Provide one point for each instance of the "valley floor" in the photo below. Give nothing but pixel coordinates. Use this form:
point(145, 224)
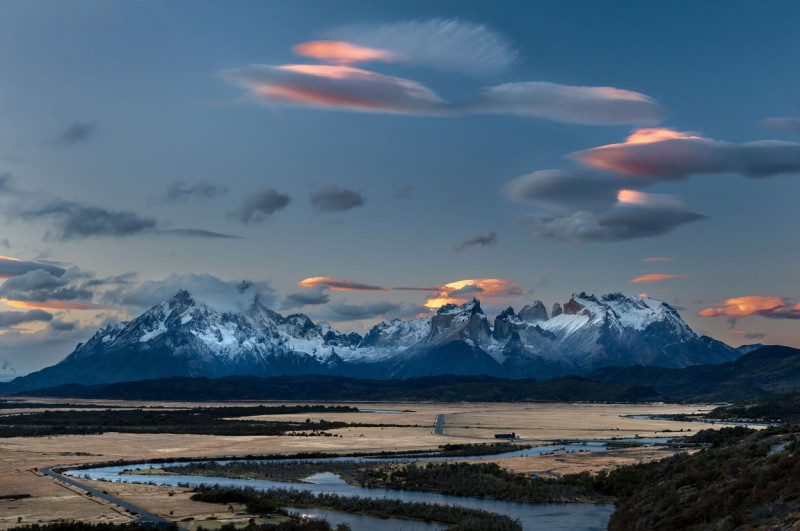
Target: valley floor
point(48, 500)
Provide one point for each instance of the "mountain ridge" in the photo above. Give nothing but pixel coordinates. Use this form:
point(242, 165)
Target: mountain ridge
point(183, 336)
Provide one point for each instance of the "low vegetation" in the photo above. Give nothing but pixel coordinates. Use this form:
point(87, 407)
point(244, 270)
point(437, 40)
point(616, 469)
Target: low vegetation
point(209, 421)
point(266, 502)
point(783, 408)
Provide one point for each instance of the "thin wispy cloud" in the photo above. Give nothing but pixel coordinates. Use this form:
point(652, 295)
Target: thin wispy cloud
point(782, 124)
point(568, 104)
point(484, 239)
point(339, 284)
point(178, 191)
point(445, 44)
point(655, 277)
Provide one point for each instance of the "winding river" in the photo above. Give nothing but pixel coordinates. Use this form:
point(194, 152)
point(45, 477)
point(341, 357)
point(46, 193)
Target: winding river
point(550, 516)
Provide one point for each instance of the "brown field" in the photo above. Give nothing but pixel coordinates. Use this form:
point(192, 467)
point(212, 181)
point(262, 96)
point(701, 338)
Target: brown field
point(464, 423)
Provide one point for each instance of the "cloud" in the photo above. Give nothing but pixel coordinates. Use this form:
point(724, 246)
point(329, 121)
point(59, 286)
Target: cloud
point(312, 297)
point(657, 259)
point(39, 285)
point(772, 307)
point(781, 124)
point(448, 44)
point(565, 191)
point(178, 192)
point(662, 153)
point(197, 233)
point(339, 284)
point(12, 267)
point(403, 191)
point(635, 215)
point(261, 205)
point(9, 319)
point(568, 104)
point(76, 132)
point(341, 52)
point(485, 239)
point(331, 198)
point(334, 87)
point(749, 335)
point(224, 295)
point(655, 277)
point(348, 312)
point(74, 220)
point(461, 291)
point(63, 326)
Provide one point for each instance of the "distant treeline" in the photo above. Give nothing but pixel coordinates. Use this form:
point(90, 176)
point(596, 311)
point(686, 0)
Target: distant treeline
point(442, 388)
point(207, 421)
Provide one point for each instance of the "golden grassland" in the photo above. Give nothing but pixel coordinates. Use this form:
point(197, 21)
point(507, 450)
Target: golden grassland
point(412, 430)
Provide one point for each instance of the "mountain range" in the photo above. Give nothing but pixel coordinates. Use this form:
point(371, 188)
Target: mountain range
point(184, 336)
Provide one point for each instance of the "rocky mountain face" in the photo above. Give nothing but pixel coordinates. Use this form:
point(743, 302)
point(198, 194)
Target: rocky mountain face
point(185, 337)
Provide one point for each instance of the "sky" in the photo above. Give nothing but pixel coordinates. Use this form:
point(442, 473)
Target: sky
point(361, 161)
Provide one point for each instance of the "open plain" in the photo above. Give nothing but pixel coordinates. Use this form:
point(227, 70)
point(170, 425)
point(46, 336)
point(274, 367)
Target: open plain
point(406, 426)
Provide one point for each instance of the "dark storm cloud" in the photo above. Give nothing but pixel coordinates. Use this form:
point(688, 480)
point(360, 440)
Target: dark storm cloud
point(485, 239)
point(73, 220)
point(346, 312)
point(177, 191)
point(261, 205)
point(9, 319)
point(331, 198)
point(782, 124)
point(314, 296)
point(76, 132)
point(10, 267)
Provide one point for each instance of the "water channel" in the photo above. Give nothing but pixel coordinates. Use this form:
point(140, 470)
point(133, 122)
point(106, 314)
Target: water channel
point(550, 516)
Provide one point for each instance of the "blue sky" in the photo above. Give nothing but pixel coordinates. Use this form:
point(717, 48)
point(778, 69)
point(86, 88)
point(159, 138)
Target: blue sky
point(331, 152)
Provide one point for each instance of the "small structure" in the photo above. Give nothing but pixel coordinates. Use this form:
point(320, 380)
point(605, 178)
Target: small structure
point(510, 436)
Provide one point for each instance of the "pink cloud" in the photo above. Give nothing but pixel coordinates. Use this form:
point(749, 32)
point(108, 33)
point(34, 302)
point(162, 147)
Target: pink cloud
point(341, 52)
point(662, 152)
point(773, 307)
point(655, 277)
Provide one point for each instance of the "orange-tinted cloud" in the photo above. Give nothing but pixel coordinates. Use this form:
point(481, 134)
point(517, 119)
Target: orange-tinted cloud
point(666, 153)
point(655, 277)
point(341, 52)
point(645, 295)
point(657, 259)
point(51, 305)
point(773, 307)
point(339, 284)
point(461, 291)
point(335, 87)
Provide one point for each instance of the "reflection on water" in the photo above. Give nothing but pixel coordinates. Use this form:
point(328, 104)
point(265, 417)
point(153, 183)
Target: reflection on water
point(358, 522)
